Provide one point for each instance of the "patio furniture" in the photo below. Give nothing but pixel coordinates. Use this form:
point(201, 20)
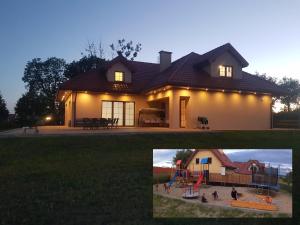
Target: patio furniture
point(86, 123)
point(203, 122)
point(103, 122)
point(115, 122)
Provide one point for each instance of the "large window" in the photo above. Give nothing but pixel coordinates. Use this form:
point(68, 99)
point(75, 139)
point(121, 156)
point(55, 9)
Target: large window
point(119, 76)
point(118, 112)
point(124, 111)
point(129, 113)
point(225, 71)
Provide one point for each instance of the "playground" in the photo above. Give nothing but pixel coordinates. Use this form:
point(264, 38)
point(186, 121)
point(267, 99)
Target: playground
point(257, 192)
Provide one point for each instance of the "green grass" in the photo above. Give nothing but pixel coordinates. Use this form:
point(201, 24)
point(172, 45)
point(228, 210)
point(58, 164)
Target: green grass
point(174, 208)
point(105, 179)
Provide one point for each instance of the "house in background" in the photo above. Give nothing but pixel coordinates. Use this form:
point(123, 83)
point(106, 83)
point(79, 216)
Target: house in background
point(218, 168)
point(173, 94)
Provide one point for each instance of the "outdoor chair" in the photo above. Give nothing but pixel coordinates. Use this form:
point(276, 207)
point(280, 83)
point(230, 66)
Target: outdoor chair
point(95, 123)
point(110, 122)
point(203, 122)
point(116, 120)
point(86, 123)
point(103, 122)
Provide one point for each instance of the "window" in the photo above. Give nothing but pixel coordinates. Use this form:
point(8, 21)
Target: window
point(119, 76)
point(225, 71)
point(124, 111)
point(197, 160)
point(129, 113)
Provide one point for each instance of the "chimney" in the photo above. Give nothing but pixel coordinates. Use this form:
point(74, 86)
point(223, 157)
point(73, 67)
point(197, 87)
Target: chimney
point(164, 59)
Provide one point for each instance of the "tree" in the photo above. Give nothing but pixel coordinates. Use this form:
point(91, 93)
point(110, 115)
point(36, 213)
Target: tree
point(29, 108)
point(42, 79)
point(183, 155)
point(293, 86)
point(86, 63)
point(127, 49)
point(92, 58)
point(3, 110)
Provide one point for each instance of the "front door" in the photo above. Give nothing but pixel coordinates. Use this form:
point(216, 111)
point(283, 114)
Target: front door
point(182, 113)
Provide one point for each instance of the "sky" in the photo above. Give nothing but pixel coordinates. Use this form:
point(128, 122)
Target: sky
point(266, 33)
point(272, 157)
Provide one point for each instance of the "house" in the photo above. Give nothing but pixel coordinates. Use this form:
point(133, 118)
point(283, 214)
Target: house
point(218, 168)
point(173, 94)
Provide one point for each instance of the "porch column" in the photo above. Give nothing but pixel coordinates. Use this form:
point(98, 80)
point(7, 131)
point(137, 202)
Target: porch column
point(73, 112)
point(174, 100)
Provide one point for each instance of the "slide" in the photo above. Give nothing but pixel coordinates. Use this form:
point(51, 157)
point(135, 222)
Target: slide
point(200, 178)
point(173, 179)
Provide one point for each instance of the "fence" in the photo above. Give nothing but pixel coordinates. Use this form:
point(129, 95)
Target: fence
point(230, 178)
point(280, 123)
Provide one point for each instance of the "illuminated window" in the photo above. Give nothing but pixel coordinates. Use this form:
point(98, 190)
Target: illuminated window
point(225, 71)
point(222, 70)
point(119, 76)
point(124, 111)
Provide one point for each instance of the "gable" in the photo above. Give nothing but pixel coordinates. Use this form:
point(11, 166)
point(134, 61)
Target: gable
point(214, 167)
point(119, 67)
point(226, 59)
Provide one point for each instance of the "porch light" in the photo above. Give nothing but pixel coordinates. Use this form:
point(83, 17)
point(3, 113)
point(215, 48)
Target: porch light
point(223, 90)
point(48, 118)
point(63, 97)
point(255, 93)
point(206, 89)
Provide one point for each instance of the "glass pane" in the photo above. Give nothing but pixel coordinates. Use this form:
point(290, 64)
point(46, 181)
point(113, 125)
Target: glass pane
point(222, 71)
point(106, 109)
point(129, 114)
point(118, 112)
point(229, 71)
point(119, 76)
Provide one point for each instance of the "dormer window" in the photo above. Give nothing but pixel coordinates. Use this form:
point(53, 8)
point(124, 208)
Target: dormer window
point(119, 76)
point(225, 71)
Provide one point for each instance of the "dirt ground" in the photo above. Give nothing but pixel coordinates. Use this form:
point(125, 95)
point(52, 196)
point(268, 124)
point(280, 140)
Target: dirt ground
point(282, 200)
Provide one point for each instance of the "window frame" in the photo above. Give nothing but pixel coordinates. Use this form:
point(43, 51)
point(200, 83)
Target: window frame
point(123, 76)
point(124, 111)
point(225, 67)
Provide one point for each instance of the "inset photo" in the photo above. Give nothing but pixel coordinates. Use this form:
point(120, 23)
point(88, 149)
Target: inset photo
point(222, 183)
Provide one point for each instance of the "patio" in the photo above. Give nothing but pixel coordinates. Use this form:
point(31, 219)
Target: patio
point(63, 130)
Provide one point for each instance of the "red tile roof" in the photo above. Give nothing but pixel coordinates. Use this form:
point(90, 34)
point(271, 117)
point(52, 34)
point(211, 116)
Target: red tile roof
point(187, 71)
point(243, 167)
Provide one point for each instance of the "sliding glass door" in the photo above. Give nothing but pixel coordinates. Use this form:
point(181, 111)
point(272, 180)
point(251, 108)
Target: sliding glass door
point(118, 112)
point(122, 110)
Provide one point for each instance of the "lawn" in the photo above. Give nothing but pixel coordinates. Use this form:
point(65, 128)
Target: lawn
point(106, 179)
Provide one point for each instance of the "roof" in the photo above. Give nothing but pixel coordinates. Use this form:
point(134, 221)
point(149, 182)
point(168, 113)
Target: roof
point(243, 167)
point(187, 71)
point(96, 81)
point(239, 167)
point(223, 158)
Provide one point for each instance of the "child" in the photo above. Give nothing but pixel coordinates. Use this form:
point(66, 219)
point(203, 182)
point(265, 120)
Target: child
point(167, 188)
point(215, 194)
point(203, 199)
point(234, 194)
